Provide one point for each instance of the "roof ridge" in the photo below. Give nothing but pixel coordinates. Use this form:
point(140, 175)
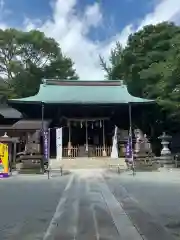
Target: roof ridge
point(82, 82)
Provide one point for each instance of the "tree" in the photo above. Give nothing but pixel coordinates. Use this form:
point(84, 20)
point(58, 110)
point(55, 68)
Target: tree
point(150, 66)
point(28, 57)
point(148, 56)
point(115, 63)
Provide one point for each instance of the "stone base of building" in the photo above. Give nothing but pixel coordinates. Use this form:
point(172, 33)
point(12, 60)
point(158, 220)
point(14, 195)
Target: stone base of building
point(85, 163)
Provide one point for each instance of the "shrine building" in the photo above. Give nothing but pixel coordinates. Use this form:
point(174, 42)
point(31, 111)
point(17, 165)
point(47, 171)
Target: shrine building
point(87, 111)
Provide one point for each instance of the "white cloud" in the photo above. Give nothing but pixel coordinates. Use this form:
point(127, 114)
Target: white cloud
point(165, 10)
point(71, 29)
point(3, 26)
point(93, 16)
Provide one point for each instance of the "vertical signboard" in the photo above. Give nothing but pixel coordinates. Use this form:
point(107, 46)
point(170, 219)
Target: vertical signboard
point(129, 149)
point(4, 161)
point(59, 143)
point(46, 145)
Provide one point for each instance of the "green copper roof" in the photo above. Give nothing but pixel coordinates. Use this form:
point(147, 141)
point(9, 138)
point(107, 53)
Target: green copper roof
point(82, 92)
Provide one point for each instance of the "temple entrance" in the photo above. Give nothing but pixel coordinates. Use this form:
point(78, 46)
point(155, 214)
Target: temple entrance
point(87, 138)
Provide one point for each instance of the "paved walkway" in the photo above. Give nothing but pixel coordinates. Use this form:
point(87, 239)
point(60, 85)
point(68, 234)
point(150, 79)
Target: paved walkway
point(87, 205)
point(88, 210)
point(151, 200)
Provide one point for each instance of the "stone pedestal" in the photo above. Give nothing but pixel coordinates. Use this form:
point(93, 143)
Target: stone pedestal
point(143, 156)
point(166, 159)
point(142, 145)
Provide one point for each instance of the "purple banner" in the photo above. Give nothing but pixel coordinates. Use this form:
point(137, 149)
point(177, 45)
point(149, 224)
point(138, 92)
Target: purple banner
point(129, 149)
point(46, 145)
point(4, 175)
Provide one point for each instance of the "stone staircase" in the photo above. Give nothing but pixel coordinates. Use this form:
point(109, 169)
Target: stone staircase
point(87, 163)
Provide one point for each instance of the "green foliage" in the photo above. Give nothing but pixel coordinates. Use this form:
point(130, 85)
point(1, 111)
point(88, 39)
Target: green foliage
point(115, 63)
point(150, 66)
point(28, 57)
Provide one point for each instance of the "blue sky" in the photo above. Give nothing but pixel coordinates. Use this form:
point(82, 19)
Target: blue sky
point(19, 9)
point(117, 15)
point(87, 28)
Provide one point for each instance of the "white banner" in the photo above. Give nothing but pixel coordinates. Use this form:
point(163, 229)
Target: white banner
point(59, 143)
point(114, 153)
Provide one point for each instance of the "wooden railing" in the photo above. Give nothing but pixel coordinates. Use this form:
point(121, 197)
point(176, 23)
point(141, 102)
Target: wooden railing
point(99, 151)
point(71, 153)
point(103, 151)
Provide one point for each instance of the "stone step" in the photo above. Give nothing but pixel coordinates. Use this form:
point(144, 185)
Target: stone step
point(83, 163)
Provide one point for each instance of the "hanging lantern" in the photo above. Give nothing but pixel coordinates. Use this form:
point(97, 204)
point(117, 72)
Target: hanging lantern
point(81, 124)
point(92, 126)
point(100, 124)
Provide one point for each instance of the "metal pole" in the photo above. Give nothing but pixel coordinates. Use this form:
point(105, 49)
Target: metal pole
point(42, 134)
point(130, 133)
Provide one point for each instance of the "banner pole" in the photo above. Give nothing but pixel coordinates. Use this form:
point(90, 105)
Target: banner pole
point(130, 133)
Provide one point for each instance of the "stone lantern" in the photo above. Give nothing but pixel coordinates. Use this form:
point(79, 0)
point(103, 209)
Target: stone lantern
point(166, 157)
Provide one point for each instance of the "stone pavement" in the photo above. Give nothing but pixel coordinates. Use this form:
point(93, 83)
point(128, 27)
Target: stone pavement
point(89, 205)
point(87, 163)
point(151, 200)
point(88, 210)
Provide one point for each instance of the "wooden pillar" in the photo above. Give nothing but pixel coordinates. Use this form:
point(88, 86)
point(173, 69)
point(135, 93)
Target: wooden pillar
point(130, 133)
point(69, 140)
point(86, 137)
point(42, 134)
point(104, 142)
